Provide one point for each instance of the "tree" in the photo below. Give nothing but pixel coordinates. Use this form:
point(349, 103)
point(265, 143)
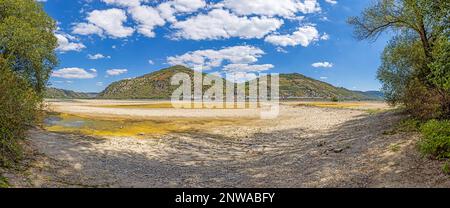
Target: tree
point(27, 56)
point(415, 63)
point(27, 41)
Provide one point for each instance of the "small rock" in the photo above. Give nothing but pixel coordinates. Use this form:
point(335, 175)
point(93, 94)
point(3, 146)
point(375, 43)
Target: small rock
point(338, 150)
point(321, 144)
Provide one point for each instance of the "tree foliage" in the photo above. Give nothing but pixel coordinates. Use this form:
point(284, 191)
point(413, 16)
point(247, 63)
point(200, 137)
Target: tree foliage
point(27, 45)
point(18, 104)
point(415, 64)
point(27, 42)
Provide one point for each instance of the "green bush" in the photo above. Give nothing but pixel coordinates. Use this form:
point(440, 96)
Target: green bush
point(436, 139)
point(335, 99)
point(446, 168)
point(18, 110)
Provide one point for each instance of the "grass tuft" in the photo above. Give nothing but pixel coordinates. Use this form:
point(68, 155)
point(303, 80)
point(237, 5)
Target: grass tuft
point(4, 182)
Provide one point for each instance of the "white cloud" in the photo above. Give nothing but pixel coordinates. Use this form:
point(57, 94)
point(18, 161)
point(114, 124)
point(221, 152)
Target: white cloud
point(281, 50)
point(303, 36)
point(97, 56)
point(74, 73)
point(322, 65)
point(325, 36)
point(331, 1)
point(188, 5)
point(65, 44)
point(214, 58)
point(283, 8)
point(218, 24)
point(124, 3)
point(323, 78)
point(109, 22)
point(237, 62)
point(240, 77)
point(151, 62)
point(247, 68)
point(148, 18)
point(116, 72)
point(87, 29)
point(169, 9)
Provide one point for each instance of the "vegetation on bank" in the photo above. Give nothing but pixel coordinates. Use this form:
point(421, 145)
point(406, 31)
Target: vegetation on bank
point(27, 57)
point(415, 70)
point(436, 139)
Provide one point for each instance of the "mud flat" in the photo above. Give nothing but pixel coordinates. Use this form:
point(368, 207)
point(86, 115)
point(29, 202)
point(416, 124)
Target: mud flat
point(307, 145)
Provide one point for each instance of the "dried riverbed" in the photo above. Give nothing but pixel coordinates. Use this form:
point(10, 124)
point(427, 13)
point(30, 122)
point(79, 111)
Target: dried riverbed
point(306, 146)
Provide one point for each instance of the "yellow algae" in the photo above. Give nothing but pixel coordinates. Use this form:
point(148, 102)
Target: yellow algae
point(116, 127)
point(333, 105)
point(140, 106)
point(169, 105)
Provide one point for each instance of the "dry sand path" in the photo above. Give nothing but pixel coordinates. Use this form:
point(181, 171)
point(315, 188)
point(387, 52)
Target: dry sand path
point(304, 147)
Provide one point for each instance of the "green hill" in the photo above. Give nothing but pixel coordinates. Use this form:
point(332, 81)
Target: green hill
point(299, 86)
point(156, 85)
point(54, 93)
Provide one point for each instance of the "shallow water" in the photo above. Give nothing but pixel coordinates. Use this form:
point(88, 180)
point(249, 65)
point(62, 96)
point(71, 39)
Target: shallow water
point(58, 121)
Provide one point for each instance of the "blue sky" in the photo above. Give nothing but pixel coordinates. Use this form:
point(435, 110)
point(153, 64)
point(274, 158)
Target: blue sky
point(102, 41)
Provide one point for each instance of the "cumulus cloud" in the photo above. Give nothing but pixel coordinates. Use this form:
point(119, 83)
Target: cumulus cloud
point(214, 58)
point(97, 56)
point(170, 9)
point(124, 3)
point(247, 68)
point(325, 36)
point(240, 73)
point(65, 43)
point(238, 62)
point(74, 73)
point(101, 22)
point(331, 1)
point(148, 18)
point(303, 36)
point(322, 65)
point(240, 77)
point(255, 19)
point(116, 72)
point(283, 8)
point(219, 23)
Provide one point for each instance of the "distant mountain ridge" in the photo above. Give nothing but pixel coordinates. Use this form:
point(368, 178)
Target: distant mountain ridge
point(54, 93)
point(157, 85)
point(374, 94)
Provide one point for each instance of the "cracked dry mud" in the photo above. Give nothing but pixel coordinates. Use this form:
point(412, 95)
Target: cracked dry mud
point(304, 147)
